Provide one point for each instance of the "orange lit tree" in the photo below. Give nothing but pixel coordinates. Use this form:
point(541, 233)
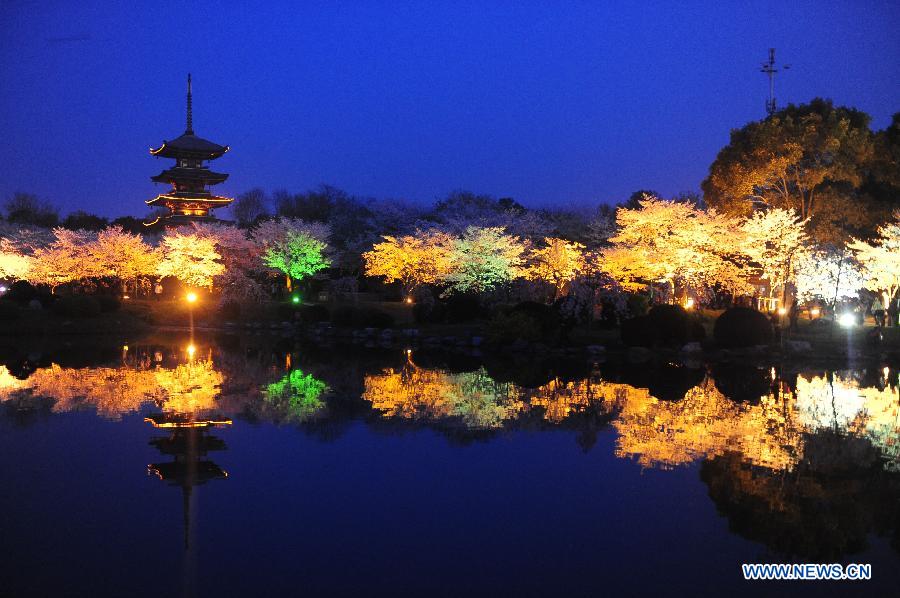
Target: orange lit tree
point(412, 260)
point(191, 258)
point(558, 262)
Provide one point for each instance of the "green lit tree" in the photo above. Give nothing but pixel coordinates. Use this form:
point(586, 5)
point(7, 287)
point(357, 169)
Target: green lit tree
point(296, 396)
point(297, 255)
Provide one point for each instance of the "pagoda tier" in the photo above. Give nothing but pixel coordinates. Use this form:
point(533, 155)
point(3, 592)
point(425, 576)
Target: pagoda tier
point(189, 199)
point(197, 176)
point(190, 146)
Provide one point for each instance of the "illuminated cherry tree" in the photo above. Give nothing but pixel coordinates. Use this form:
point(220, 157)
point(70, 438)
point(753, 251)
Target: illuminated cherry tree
point(827, 274)
point(412, 260)
point(191, 258)
point(123, 255)
point(67, 259)
point(674, 243)
point(14, 264)
point(298, 255)
point(483, 258)
point(880, 260)
point(775, 240)
point(557, 262)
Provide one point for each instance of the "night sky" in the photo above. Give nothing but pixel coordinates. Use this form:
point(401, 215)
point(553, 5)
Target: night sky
point(554, 104)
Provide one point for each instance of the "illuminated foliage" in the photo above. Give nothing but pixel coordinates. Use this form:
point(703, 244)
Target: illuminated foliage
point(880, 260)
point(13, 262)
point(412, 260)
point(557, 262)
point(297, 396)
point(191, 258)
point(828, 274)
point(791, 160)
point(774, 239)
point(298, 255)
point(68, 258)
point(123, 255)
point(674, 243)
point(483, 258)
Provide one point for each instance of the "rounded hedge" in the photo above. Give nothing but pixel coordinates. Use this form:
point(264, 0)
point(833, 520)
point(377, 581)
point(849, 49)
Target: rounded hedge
point(670, 324)
point(743, 327)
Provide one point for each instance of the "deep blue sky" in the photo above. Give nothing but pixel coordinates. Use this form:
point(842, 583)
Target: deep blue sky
point(553, 103)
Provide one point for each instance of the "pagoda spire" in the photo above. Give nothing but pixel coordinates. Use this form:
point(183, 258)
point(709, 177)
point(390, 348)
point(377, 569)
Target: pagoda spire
point(190, 111)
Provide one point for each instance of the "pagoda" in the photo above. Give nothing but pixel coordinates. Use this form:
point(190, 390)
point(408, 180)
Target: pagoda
point(189, 199)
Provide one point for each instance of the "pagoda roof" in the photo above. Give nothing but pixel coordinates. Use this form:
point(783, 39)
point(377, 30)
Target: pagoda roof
point(179, 173)
point(188, 197)
point(190, 146)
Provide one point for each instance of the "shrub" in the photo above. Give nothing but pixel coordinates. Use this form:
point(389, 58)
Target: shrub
point(108, 303)
point(670, 325)
point(77, 306)
point(637, 305)
point(743, 327)
point(505, 328)
point(636, 332)
point(543, 315)
point(21, 292)
point(312, 314)
point(9, 310)
point(462, 308)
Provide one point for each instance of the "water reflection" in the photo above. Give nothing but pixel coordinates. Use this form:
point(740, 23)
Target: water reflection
point(806, 462)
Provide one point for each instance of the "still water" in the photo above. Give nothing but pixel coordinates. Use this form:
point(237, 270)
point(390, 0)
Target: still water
point(226, 466)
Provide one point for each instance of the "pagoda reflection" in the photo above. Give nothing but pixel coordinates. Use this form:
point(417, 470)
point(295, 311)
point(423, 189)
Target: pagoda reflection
point(188, 444)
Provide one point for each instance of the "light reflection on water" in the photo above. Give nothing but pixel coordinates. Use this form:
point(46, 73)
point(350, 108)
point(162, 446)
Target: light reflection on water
point(769, 430)
point(806, 462)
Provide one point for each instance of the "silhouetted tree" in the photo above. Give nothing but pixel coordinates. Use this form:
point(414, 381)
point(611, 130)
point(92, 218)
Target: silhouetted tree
point(82, 220)
point(26, 208)
point(249, 207)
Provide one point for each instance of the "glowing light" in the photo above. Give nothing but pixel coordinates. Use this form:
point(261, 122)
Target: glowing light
point(689, 303)
point(781, 311)
point(191, 297)
point(409, 300)
point(887, 373)
point(125, 297)
point(125, 348)
point(847, 320)
point(3, 289)
point(295, 299)
point(191, 349)
point(814, 312)
point(773, 374)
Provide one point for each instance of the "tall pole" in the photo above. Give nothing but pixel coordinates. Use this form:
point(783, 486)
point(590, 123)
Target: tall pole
point(769, 68)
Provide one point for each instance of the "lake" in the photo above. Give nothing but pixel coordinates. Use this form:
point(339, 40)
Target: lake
point(221, 466)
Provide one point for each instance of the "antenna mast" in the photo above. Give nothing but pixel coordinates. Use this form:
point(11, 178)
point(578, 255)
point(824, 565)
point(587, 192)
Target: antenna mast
point(769, 69)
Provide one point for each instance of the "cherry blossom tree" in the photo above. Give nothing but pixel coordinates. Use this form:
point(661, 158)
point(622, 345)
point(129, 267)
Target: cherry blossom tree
point(484, 257)
point(14, 264)
point(191, 258)
point(558, 262)
point(123, 255)
point(775, 240)
point(414, 260)
point(880, 260)
point(827, 273)
point(675, 244)
point(67, 259)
